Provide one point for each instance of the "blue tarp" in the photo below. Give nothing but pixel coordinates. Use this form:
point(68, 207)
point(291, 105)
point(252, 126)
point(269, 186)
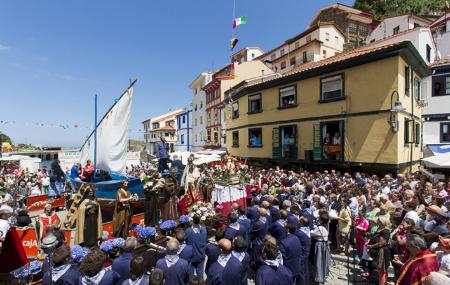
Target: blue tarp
point(439, 148)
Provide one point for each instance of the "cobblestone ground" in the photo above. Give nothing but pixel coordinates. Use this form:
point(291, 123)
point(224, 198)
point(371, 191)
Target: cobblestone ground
point(338, 273)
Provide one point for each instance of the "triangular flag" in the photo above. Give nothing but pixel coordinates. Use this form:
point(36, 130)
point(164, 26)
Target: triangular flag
point(239, 21)
point(233, 42)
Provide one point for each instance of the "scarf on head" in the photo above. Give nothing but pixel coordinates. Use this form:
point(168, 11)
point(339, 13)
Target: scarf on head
point(238, 255)
point(171, 260)
point(59, 271)
point(282, 222)
point(306, 230)
point(94, 279)
point(181, 247)
point(243, 217)
point(137, 281)
point(272, 263)
point(223, 259)
point(235, 226)
point(279, 258)
point(196, 229)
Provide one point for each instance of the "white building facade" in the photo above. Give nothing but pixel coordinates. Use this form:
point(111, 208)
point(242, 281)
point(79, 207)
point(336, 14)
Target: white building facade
point(436, 115)
point(317, 43)
point(394, 25)
point(184, 131)
point(155, 128)
point(246, 54)
point(198, 114)
point(441, 33)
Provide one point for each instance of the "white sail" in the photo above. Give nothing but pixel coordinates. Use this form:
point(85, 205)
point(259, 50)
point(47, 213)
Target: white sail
point(112, 137)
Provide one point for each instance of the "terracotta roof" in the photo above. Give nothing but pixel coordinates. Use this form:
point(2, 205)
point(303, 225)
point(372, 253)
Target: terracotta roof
point(165, 128)
point(342, 7)
point(441, 61)
point(412, 16)
point(332, 61)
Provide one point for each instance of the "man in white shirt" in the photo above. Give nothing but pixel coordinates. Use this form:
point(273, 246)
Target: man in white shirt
point(5, 214)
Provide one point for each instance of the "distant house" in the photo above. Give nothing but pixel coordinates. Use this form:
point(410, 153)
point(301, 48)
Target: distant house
point(164, 125)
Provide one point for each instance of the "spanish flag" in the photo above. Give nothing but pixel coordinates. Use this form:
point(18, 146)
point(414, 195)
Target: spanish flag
point(233, 43)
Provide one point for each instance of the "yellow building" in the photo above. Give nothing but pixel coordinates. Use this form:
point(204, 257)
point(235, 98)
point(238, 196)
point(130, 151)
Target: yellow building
point(354, 110)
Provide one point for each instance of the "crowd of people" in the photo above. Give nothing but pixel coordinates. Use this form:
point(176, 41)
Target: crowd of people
point(286, 233)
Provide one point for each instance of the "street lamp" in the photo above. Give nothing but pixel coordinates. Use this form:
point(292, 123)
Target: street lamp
point(396, 108)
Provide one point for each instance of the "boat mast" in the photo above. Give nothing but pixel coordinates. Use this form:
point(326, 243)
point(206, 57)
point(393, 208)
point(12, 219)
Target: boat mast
point(95, 133)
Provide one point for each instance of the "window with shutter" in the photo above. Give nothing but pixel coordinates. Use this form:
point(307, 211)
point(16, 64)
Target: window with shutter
point(332, 87)
point(288, 97)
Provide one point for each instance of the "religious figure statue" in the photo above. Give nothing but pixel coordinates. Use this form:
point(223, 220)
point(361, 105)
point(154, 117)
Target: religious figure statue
point(89, 226)
point(192, 192)
point(72, 214)
point(122, 211)
point(47, 219)
point(169, 207)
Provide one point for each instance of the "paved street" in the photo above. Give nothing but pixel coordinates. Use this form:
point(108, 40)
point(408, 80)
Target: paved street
point(338, 274)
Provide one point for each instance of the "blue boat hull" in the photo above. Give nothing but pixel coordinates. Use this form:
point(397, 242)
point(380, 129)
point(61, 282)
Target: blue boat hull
point(108, 189)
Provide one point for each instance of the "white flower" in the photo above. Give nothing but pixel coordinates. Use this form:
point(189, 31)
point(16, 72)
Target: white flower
point(203, 209)
point(203, 218)
point(198, 212)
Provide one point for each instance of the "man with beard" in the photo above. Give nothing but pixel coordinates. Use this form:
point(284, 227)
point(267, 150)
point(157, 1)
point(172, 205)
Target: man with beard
point(122, 211)
point(47, 219)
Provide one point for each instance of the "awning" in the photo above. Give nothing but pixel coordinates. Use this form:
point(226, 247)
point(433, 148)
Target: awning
point(439, 148)
point(206, 159)
point(441, 160)
point(218, 151)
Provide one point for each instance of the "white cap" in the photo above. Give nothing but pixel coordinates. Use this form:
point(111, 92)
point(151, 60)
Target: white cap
point(4, 209)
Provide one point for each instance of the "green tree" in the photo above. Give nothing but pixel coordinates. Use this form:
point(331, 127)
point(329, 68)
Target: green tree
point(5, 138)
point(386, 8)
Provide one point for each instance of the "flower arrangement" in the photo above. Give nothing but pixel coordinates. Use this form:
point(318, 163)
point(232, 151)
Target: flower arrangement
point(118, 243)
point(136, 227)
point(146, 180)
point(29, 270)
point(111, 244)
point(184, 219)
point(168, 225)
point(147, 232)
point(205, 210)
point(79, 252)
point(106, 246)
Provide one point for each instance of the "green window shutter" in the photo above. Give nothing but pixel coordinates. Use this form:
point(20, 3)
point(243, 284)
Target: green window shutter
point(276, 146)
point(317, 142)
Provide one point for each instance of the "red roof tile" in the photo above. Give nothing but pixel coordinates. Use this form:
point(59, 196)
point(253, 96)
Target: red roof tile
point(333, 60)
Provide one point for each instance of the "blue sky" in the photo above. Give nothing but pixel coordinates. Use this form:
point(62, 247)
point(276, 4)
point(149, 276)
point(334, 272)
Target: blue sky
point(54, 55)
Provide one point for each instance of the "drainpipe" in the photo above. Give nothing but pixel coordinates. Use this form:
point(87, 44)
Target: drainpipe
point(411, 145)
point(187, 121)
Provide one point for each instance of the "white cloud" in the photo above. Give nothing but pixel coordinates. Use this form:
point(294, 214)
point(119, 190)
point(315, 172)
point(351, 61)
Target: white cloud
point(4, 48)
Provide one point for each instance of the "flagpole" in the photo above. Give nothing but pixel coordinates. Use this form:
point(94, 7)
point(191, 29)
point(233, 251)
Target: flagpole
point(95, 133)
point(232, 28)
